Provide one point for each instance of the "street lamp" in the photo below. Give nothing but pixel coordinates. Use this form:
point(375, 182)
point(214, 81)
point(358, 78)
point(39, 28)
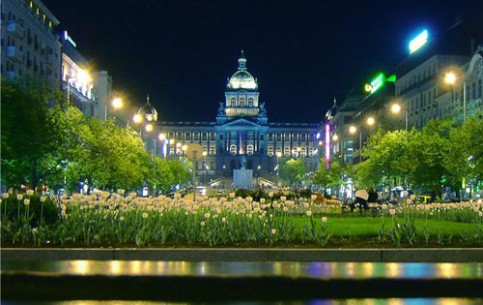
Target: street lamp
point(396, 108)
point(137, 118)
point(353, 129)
point(162, 138)
point(116, 104)
point(278, 154)
point(205, 167)
point(450, 78)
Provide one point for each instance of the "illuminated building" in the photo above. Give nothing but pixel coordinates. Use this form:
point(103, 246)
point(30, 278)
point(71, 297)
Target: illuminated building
point(29, 46)
point(242, 134)
point(77, 80)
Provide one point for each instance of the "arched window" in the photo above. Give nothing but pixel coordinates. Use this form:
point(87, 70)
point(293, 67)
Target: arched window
point(233, 149)
point(232, 102)
point(311, 151)
point(242, 101)
point(286, 151)
point(250, 102)
point(270, 151)
point(249, 149)
point(303, 151)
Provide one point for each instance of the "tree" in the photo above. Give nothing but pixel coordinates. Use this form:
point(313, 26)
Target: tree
point(111, 157)
point(164, 174)
point(464, 158)
point(332, 177)
point(33, 145)
point(292, 171)
point(386, 161)
point(427, 152)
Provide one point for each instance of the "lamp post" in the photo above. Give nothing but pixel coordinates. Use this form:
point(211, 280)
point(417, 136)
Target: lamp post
point(205, 167)
point(278, 154)
point(162, 138)
point(353, 129)
point(450, 79)
point(116, 104)
point(396, 108)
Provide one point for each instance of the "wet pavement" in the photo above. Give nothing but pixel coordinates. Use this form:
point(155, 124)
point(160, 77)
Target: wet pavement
point(245, 282)
point(316, 270)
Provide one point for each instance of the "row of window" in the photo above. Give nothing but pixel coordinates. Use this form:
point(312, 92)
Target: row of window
point(191, 136)
point(287, 152)
point(205, 136)
point(241, 102)
point(416, 79)
point(287, 137)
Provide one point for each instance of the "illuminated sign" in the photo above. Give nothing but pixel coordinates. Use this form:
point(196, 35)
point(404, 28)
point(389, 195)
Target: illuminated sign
point(69, 39)
point(418, 42)
point(327, 145)
point(377, 82)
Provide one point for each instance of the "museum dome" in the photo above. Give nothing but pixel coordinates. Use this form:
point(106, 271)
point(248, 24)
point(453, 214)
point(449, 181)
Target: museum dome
point(148, 111)
point(242, 79)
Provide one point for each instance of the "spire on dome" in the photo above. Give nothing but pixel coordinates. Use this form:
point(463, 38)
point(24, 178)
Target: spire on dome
point(242, 62)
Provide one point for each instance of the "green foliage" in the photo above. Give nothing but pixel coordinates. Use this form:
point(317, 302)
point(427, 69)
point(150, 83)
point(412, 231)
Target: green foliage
point(33, 144)
point(165, 173)
point(427, 151)
point(386, 160)
point(332, 177)
point(292, 171)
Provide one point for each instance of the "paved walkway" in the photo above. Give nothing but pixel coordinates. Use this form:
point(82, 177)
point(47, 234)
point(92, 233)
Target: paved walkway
point(249, 255)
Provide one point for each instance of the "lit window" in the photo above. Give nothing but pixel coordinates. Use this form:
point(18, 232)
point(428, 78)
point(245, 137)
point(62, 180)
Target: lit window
point(286, 151)
point(303, 151)
point(249, 149)
point(270, 151)
point(311, 151)
point(233, 149)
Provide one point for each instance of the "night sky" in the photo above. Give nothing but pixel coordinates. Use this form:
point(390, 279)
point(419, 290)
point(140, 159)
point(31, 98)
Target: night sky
point(303, 53)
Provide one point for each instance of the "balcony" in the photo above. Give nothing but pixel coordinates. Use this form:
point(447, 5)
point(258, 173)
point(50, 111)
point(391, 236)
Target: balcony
point(13, 54)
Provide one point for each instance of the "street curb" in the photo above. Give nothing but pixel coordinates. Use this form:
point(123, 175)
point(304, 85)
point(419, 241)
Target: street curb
point(248, 255)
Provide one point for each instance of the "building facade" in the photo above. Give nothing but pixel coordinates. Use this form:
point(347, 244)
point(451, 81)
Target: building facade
point(29, 46)
point(77, 81)
point(241, 135)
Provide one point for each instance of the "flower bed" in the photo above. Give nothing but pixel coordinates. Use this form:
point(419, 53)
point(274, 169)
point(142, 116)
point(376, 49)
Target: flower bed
point(104, 219)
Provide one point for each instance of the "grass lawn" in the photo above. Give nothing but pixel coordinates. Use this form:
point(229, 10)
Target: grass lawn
point(370, 226)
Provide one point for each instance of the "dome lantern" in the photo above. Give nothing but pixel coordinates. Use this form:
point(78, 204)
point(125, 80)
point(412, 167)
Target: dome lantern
point(148, 112)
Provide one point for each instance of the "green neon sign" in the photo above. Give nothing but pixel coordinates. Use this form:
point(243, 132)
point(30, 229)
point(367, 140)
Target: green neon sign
point(377, 82)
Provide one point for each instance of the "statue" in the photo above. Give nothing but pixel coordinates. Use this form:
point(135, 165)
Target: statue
point(263, 111)
point(243, 162)
point(221, 109)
